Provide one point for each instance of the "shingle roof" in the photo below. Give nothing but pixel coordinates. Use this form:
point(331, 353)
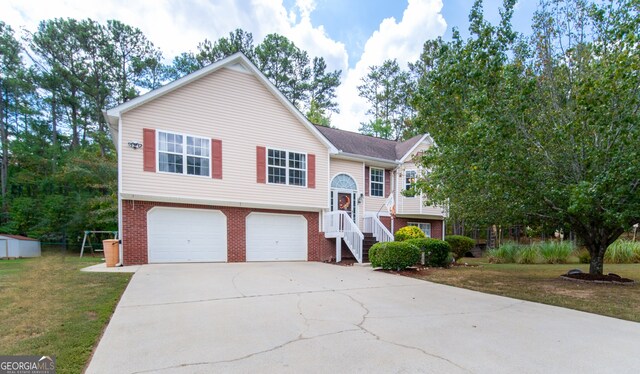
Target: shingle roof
point(365, 145)
point(19, 237)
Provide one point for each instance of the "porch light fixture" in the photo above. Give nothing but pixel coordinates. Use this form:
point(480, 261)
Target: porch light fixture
point(135, 145)
point(360, 198)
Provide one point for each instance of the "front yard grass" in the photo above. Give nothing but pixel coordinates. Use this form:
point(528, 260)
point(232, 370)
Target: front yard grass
point(541, 283)
point(49, 307)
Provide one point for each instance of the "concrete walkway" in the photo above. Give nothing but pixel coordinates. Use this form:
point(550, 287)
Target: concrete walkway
point(102, 268)
point(319, 318)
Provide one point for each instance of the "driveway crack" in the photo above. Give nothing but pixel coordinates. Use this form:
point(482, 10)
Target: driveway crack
point(203, 363)
point(361, 326)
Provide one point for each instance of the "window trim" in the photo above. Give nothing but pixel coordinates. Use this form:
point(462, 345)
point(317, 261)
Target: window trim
point(405, 180)
point(371, 182)
point(306, 167)
point(183, 154)
point(417, 224)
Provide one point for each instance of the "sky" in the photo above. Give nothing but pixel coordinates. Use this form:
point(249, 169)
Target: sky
point(351, 35)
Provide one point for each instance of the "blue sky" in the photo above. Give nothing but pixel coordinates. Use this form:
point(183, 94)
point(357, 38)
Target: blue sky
point(352, 21)
point(351, 35)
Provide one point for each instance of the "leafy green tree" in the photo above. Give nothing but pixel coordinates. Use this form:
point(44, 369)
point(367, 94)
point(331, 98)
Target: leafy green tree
point(322, 93)
point(11, 73)
point(543, 129)
point(388, 89)
point(130, 55)
point(304, 82)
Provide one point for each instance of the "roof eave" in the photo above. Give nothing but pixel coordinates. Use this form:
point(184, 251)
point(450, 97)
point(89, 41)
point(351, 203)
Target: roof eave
point(376, 160)
point(424, 137)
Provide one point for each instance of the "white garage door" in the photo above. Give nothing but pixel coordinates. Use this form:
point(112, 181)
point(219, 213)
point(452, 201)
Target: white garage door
point(276, 237)
point(186, 235)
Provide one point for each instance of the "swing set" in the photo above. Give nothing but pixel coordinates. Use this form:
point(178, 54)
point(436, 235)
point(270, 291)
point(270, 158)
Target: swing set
point(97, 236)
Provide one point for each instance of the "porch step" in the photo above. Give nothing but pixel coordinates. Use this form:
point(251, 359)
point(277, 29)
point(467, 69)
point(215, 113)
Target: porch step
point(369, 241)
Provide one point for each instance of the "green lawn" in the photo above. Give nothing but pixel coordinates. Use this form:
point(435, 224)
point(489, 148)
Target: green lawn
point(541, 283)
point(49, 307)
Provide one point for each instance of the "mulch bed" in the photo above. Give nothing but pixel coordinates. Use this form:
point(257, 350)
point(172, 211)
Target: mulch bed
point(597, 278)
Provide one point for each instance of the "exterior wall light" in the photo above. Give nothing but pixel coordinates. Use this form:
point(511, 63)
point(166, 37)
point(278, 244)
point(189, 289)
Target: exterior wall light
point(135, 145)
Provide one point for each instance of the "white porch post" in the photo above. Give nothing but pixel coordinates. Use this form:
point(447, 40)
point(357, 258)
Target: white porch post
point(338, 249)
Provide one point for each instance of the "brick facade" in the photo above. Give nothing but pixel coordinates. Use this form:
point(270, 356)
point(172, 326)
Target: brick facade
point(399, 222)
point(134, 231)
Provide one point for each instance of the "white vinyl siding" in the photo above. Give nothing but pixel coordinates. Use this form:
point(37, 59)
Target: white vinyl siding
point(414, 205)
point(237, 109)
point(376, 181)
point(174, 149)
point(424, 226)
point(285, 167)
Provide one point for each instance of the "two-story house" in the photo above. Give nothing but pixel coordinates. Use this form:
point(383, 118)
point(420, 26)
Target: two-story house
point(220, 166)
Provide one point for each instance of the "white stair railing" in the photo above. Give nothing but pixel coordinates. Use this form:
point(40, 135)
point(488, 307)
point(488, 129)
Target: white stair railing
point(373, 225)
point(339, 221)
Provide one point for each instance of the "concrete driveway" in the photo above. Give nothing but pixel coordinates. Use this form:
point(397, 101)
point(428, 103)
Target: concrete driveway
point(314, 317)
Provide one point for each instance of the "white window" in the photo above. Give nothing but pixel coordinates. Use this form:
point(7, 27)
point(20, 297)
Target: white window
point(425, 227)
point(285, 167)
point(376, 182)
point(174, 149)
point(409, 179)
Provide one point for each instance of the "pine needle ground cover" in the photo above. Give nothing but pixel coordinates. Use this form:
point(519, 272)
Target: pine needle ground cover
point(49, 307)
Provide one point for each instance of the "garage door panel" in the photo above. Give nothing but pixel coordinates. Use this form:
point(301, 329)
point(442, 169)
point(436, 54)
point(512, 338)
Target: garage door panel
point(186, 235)
point(276, 237)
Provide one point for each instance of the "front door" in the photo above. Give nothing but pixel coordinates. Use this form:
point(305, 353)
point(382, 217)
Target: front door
point(344, 200)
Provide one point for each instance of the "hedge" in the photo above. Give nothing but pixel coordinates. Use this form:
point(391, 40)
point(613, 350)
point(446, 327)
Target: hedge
point(460, 245)
point(408, 232)
point(394, 255)
point(436, 252)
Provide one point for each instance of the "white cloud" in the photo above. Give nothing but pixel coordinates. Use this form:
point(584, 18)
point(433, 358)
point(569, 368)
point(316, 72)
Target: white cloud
point(178, 26)
point(401, 40)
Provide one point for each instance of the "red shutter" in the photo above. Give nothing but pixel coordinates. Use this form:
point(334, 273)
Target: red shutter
point(216, 159)
point(149, 149)
point(311, 160)
point(387, 182)
point(261, 164)
point(366, 181)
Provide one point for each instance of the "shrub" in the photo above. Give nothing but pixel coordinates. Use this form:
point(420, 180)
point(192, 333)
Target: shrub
point(622, 252)
point(527, 254)
point(505, 254)
point(409, 232)
point(460, 245)
point(555, 252)
point(394, 255)
point(584, 257)
point(436, 252)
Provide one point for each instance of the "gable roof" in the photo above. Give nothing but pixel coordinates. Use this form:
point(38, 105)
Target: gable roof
point(237, 61)
point(369, 146)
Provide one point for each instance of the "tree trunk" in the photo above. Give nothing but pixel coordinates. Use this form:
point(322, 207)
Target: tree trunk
point(4, 130)
point(597, 239)
point(597, 262)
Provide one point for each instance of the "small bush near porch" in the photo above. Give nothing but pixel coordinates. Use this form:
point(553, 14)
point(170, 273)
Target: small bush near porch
point(394, 255)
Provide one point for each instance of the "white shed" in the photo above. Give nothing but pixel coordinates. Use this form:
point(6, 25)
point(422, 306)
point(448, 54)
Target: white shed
point(18, 246)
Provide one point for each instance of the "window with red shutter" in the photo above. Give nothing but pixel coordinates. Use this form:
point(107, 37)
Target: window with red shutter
point(216, 159)
point(261, 164)
point(149, 149)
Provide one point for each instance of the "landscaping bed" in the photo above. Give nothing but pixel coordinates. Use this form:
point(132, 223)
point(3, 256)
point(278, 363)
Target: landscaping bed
point(597, 278)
